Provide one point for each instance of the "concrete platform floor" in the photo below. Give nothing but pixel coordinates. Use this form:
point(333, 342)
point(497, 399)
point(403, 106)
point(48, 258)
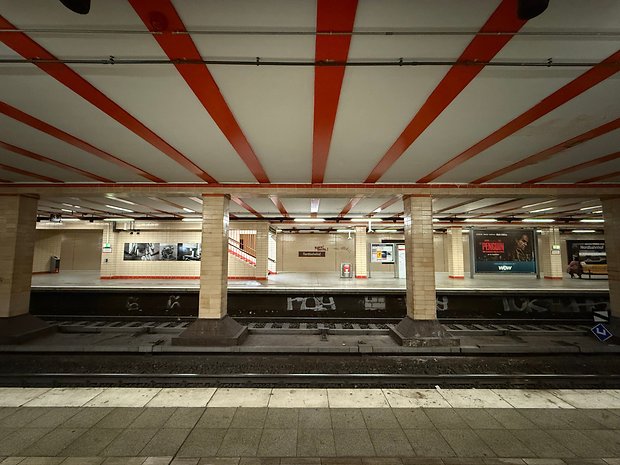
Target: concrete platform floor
point(153, 426)
point(326, 281)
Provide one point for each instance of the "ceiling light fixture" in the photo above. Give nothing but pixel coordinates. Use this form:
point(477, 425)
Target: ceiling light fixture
point(583, 231)
point(542, 210)
point(591, 208)
point(538, 203)
point(537, 220)
point(365, 220)
point(188, 210)
point(309, 220)
point(480, 220)
point(120, 208)
point(191, 220)
point(592, 220)
point(111, 197)
point(119, 220)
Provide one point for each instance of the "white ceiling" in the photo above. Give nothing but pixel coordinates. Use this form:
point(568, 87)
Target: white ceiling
point(274, 106)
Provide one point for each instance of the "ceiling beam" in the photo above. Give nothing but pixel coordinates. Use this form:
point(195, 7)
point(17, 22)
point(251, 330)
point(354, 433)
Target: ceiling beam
point(551, 151)
point(243, 204)
point(579, 167)
point(385, 205)
point(50, 161)
point(586, 81)
point(332, 16)
point(160, 17)
point(30, 174)
point(604, 177)
point(50, 130)
point(482, 48)
point(350, 205)
point(44, 60)
point(279, 205)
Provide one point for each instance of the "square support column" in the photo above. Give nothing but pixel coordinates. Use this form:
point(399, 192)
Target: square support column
point(262, 251)
point(361, 253)
point(213, 326)
point(456, 265)
point(550, 259)
point(420, 327)
point(18, 216)
point(611, 211)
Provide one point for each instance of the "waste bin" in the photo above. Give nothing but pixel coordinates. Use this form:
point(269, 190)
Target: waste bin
point(54, 264)
point(345, 270)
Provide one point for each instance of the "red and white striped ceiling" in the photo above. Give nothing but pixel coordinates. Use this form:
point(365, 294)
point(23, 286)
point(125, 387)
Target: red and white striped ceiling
point(432, 91)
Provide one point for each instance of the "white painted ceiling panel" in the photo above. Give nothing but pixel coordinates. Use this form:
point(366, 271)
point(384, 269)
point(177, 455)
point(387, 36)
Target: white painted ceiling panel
point(38, 167)
point(263, 205)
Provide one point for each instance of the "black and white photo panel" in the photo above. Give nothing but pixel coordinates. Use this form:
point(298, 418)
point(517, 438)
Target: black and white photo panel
point(145, 251)
point(168, 252)
point(189, 251)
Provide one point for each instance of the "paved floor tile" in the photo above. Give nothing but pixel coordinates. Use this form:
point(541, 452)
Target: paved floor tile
point(202, 442)
point(124, 461)
point(300, 461)
point(240, 397)
point(21, 439)
point(86, 417)
point(41, 461)
point(52, 443)
point(531, 398)
point(185, 461)
point(542, 444)
point(580, 444)
point(282, 418)
point(166, 442)
point(428, 443)
point(504, 443)
point(414, 398)
point(219, 461)
point(298, 398)
point(92, 442)
point(184, 417)
point(473, 398)
point(216, 417)
point(511, 419)
point(64, 397)
point(6, 411)
point(5, 432)
point(545, 418)
point(347, 418)
point(609, 439)
point(319, 418)
point(577, 419)
point(54, 417)
point(259, 461)
point(445, 419)
point(421, 461)
point(22, 417)
point(129, 443)
point(603, 416)
point(278, 443)
point(315, 443)
point(341, 461)
point(240, 442)
point(157, 461)
point(588, 398)
point(413, 418)
point(120, 417)
point(382, 461)
point(466, 443)
point(478, 418)
point(544, 461)
point(182, 397)
point(390, 442)
point(154, 417)
point(380, 419)
point(11, 460)
point(357, 398)
point(82, 461)
point(123, 397)
point(246, 417)
point(15, 397)
point(353, 442)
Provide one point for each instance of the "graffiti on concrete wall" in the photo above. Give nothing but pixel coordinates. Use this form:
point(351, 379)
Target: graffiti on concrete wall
point(311, 303)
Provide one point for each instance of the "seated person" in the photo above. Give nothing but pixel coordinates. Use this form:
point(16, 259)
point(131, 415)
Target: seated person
point(575, 268)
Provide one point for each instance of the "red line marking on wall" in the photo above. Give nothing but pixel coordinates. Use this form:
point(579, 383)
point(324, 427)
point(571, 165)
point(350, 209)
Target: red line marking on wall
point(160, 16)
point(587, 80)
point(551, 151)
point(29, 49)
point(482, 48)
point(332, 16)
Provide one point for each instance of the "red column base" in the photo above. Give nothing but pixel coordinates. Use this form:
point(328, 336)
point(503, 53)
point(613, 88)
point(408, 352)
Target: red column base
point(456, 277)
point(361, 277)
point(554, 277)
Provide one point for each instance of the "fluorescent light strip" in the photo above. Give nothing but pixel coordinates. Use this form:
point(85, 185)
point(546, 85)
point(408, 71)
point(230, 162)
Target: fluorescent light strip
point(120, 209)
point(111, 197)
point(480, 220)
point(65, 210)
point(191, 220)
point(365, 220)
point(386, 231)
point(592, 220)
point(188, 210)
point(538, 203)
point(591, 208)
point(309, 220)
point(542, 210)
point(537, 220)
point(119, 220)
point(583, 231)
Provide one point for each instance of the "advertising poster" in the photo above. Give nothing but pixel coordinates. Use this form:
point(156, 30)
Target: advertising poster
point(154, 251)
point(382, 253)
point(591, 254)
point(145, 251)
point(168, 252)
point(504, 251)
point(188, 251)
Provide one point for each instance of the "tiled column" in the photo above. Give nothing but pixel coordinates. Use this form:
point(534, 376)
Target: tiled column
point(361, 253)
point(456, 265)
point(262, 250)
point(420, 327)
point(611, 211)
point(213, 326)
point(550, 259)
point(18, 216)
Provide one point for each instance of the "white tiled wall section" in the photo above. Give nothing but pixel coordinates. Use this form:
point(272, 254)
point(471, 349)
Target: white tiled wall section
point(337, 249)
point(456, 265)
point(550, 262)
point(17, 238)
point(47, 244)
point(361, 252)
point(420, 260)
point(611, 210)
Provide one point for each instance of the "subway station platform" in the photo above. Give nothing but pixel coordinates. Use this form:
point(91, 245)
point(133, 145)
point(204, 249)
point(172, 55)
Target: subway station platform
point(237, 426)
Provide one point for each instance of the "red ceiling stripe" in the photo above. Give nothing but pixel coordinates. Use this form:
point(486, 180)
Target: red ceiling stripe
point(384, 206)
point(587, 80)
point(279, 205)
point(35, 123)
point(242, 204)
point(548, 153)
point(482, 48)
point(41, 158)
point(350, 204)
point(604, 177)
point(572, 169)
point(332, 16)
point(28, 173)
point(30, 50)
point(161, 16)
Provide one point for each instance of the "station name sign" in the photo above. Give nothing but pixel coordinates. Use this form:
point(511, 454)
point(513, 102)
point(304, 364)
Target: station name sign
point(312, 253)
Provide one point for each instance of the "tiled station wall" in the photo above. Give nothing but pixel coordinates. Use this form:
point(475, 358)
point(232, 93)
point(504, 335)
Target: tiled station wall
point(56, 240)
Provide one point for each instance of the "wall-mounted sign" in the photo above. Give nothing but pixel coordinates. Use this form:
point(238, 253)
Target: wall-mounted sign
point(591, 254)
point(154, 251)
point(504, 251)
point(312, 253)
point(382, 253)
point(107, 248)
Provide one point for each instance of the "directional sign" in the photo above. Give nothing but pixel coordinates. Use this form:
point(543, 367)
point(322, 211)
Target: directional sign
point(601, 332)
